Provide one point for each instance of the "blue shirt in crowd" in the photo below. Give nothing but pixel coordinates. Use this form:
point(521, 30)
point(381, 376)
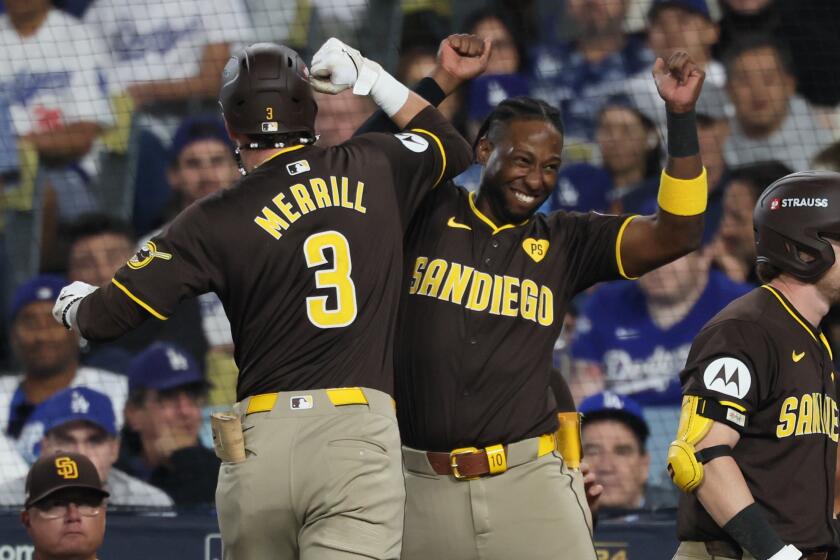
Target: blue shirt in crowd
point(637, 357)
point(564, 78)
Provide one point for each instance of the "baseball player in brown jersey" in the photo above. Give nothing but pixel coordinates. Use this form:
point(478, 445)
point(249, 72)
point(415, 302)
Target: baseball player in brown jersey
point(756, 448)
point(305, 253)
point(488, 281)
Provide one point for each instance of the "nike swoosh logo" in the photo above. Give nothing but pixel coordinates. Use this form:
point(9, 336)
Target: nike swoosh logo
point(453, 224)
point(796, 357)
point(65, 297)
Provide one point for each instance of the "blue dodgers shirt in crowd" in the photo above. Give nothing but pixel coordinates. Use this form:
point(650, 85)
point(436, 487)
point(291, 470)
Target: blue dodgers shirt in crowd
point(564, 78)
point(581, 187)
point(638, 358)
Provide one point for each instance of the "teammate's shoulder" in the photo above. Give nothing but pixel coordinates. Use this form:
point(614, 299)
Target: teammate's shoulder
point(747, 307)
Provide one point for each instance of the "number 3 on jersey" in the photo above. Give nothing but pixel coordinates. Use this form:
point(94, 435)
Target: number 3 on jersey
point(337, 278)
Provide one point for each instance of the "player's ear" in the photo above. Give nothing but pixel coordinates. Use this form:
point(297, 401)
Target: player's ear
point(482, 150)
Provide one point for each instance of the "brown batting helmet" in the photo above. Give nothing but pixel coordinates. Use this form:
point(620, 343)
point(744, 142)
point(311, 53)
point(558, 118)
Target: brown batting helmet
point(792, 217)
point(265, 92)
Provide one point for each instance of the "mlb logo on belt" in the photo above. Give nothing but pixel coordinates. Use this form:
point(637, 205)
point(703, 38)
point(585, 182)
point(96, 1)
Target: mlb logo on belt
point(301, 402)
point(298, 167)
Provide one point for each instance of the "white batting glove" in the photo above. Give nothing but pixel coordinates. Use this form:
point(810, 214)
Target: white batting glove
point(336, 67)
point(67, 303)
point(789, 552)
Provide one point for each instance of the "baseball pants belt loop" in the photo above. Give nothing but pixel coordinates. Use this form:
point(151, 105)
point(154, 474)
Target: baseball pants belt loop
point(724, 549)
point(469, 463)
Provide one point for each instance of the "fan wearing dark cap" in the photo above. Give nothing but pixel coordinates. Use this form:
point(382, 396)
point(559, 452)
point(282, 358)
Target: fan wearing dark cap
point(81, 420)
point(65, 507)
point(614, 437)
point(166, 393)
point(49, 357)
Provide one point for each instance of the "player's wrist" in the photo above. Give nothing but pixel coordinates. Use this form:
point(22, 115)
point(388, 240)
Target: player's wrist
point(682, 133)
point(445, 80)
point(385, 90)
point(751, 530)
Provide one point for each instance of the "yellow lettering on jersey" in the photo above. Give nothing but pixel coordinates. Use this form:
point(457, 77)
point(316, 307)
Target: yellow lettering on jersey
point(345, 194)
point(787, 417)
point(319, 190)
point(456, 283)
point(301, 196)
point(803, 423)
point(545, 309)
point(815, 418)
point(509, 296)
point(530, 300)
point(272, 223)
point(482, 284)
point(334, 188)
point(433, 278)
point(360, 191)
point(834, 434)
point(417, 275)
point(496, 300)
point(286, 208)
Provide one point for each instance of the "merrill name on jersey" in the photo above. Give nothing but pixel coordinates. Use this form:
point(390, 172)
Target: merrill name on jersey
point(507, 296)
point(308, 197)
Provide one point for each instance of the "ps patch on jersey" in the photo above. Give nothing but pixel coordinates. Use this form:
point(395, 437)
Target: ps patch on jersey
point(413, 142)
point(301, 402)
point(729, 376)
point(297, 167)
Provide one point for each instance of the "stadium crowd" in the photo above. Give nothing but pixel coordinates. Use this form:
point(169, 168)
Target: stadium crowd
point(109, 128)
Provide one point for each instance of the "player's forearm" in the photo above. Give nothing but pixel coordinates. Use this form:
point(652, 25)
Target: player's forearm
point(410, 109)
point(459, 154)
point(723, 492)
point(107, 314)
point(427, 88)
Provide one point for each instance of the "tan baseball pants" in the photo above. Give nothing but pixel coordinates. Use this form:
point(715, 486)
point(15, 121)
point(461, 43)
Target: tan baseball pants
point(322, 481)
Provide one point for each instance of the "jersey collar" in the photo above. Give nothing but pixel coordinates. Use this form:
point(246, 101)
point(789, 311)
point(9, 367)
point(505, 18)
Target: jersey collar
point(280, 152)
point(493, 227)
point(817, 335)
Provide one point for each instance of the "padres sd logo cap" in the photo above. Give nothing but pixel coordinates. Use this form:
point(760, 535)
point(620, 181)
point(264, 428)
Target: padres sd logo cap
point(52, 473)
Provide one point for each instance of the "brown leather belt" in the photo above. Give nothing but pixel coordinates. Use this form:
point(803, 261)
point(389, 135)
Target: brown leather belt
point(728, 550)
point(470, 462)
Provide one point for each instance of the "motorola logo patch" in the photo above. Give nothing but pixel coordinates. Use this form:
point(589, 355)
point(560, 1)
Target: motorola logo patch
point(729, 376)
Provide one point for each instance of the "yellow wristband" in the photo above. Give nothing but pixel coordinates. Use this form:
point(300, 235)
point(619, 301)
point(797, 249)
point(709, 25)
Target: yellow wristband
point(683, 197)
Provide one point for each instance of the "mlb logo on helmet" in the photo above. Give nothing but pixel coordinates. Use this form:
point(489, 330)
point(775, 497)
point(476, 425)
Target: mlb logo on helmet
point(300, 402)
point(775, 203)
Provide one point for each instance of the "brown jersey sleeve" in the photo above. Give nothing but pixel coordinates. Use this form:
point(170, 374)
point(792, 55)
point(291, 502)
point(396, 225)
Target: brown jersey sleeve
point(169, 268)
point(731, 361)
point(592, 240)
point(428, 152)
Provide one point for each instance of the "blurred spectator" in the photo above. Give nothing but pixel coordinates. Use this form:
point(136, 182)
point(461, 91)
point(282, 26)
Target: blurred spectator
point(633, 337)
point(677, 25)
point(49, 356)
point(580, 76)
point(339, 116)
point(712, 132)
point(51, 69)
point(614, 438)
point(12, 464)
point(98, 246)
point(82, 420)
point(508, 53)
point(64, 516)
point(169, 51)
point(581, 187)
point(771, 122)
point(163, 418)
point(809, 28)
point(631, 152)
point(734, 246)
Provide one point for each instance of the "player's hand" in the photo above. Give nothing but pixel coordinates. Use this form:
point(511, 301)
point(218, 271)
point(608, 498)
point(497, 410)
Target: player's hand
point(679, 81)
point(336, 67)
point(591, 487)
point(460, 58)
point(67, 303)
